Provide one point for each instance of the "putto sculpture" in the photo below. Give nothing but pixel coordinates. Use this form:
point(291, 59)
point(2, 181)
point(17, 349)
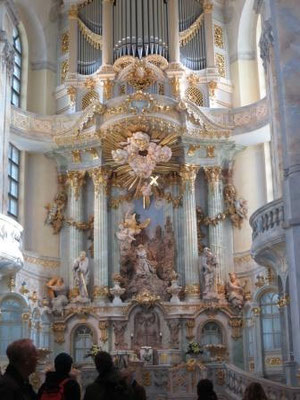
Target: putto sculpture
point(235, 291)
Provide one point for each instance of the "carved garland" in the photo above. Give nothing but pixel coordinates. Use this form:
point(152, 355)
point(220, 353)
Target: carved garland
point(187, 35)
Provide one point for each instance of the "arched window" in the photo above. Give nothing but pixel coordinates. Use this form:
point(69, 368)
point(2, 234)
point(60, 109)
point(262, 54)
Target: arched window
point(11, 322)
point(270, 321)
point(17, 73)
point(83, 341)
point(211, 334)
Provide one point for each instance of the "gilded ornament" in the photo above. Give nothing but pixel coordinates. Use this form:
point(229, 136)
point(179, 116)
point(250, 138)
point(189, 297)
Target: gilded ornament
point(12, 283)
point(76, 180)
point(100, 292)
point(220, 377)
point(58, 329)
point(187, 35)
point(91, 37)
point(55, 211)
point(72, 91)
point(33, 297)
point(256, 311)
point(236, 325)
point(237, 208)
point(103, 326)
point(192, 289)
point(73, 12)
point(175, 86)
point(161, 89)
point(100, 178)
point(218, 36)
point(140, 74)
point(194, 95)
point(64, 69)
point(94, 153)
point(273, 361)
point(146, 378)
point(192, 149)
point(107, 88)
point(146, 299)
point(73, 293)
point(91, 97)
point(283, 301)
point(210, 151)
point(188, 173)
point(26, 317)
point(207, 6)
point(76, 156)
point(212, 86)
point(42, 262)
point(212, 174)
point(65, 42)
point(90, 83)
point(190, 325)
point(220, 63)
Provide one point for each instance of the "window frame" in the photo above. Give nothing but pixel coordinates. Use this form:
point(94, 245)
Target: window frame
point(12, 180)
point(270, 312)
point(15, 77)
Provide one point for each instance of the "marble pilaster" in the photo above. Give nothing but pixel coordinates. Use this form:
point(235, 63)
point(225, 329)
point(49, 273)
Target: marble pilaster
point(107, 32)
point(73, 32)
point(188, 174)
point(100, 291)
point(209, 34)
point(216, 206)
point(75, 179)
point(6, 68)
point(285, 21)
point(173, 18)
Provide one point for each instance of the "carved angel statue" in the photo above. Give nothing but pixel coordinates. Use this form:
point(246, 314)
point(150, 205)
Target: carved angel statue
point(57, 291)
point(208, 266)
point(143, 265)
point(235, 291)
point(81, 274)
point(130, 227)
point(55, 211)
point(237, 207)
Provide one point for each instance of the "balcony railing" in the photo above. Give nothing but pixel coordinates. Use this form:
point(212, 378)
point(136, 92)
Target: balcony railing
point(11, 257)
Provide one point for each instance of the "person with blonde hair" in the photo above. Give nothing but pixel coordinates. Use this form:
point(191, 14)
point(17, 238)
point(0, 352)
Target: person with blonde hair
point(14, 384)
point(254, 391)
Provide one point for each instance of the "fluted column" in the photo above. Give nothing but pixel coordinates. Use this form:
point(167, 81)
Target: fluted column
point(100, 291)
point(115, 219)
point(107, 32)
point(173, 15)
point(75, 205)
point(209, 35)
point(188, 175)
point(215, 207)
point(73, 32)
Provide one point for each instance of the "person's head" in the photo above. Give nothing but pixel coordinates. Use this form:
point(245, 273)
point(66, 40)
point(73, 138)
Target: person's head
point(82, 255)
point(103, 362)
point(205, 390)
point(63, 363)
point(23, 355)
point(254, 391)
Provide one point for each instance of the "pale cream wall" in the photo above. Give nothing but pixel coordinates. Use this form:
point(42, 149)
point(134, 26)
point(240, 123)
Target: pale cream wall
point(41, 84)
point(41, 187)
point(250, 180)
point(244, 75)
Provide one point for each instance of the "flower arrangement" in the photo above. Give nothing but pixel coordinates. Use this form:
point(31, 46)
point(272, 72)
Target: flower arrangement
point(93, 351)
point(194, 348)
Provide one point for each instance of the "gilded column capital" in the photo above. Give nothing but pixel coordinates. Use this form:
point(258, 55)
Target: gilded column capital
point(188, 173)
point(212, 174)
point(100, 177)
point(76, 180)
point(73, 12)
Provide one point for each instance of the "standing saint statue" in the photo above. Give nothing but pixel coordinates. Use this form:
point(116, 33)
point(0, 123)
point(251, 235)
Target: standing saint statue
point(81, 274)
point(209, 265)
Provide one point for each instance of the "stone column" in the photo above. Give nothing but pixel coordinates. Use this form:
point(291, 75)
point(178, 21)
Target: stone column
point(209, 34)
point(107, 32)
point(100, 291)
point(173, 19)
point(284, 25)
point(73, 33)
point(188, 174)
point(215, 207)
point(6, 68)
point(75, 206)
point(115, 219)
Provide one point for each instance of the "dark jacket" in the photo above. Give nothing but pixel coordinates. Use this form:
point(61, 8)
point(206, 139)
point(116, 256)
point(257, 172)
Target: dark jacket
point(53, 379)
point(139, 392)
point(14, 387)
point(108, 386)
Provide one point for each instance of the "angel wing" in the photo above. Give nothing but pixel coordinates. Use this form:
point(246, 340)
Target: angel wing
point(144, 224)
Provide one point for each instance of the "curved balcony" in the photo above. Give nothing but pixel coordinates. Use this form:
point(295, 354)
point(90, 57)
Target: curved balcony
point(11, 257)
point(268, 237)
